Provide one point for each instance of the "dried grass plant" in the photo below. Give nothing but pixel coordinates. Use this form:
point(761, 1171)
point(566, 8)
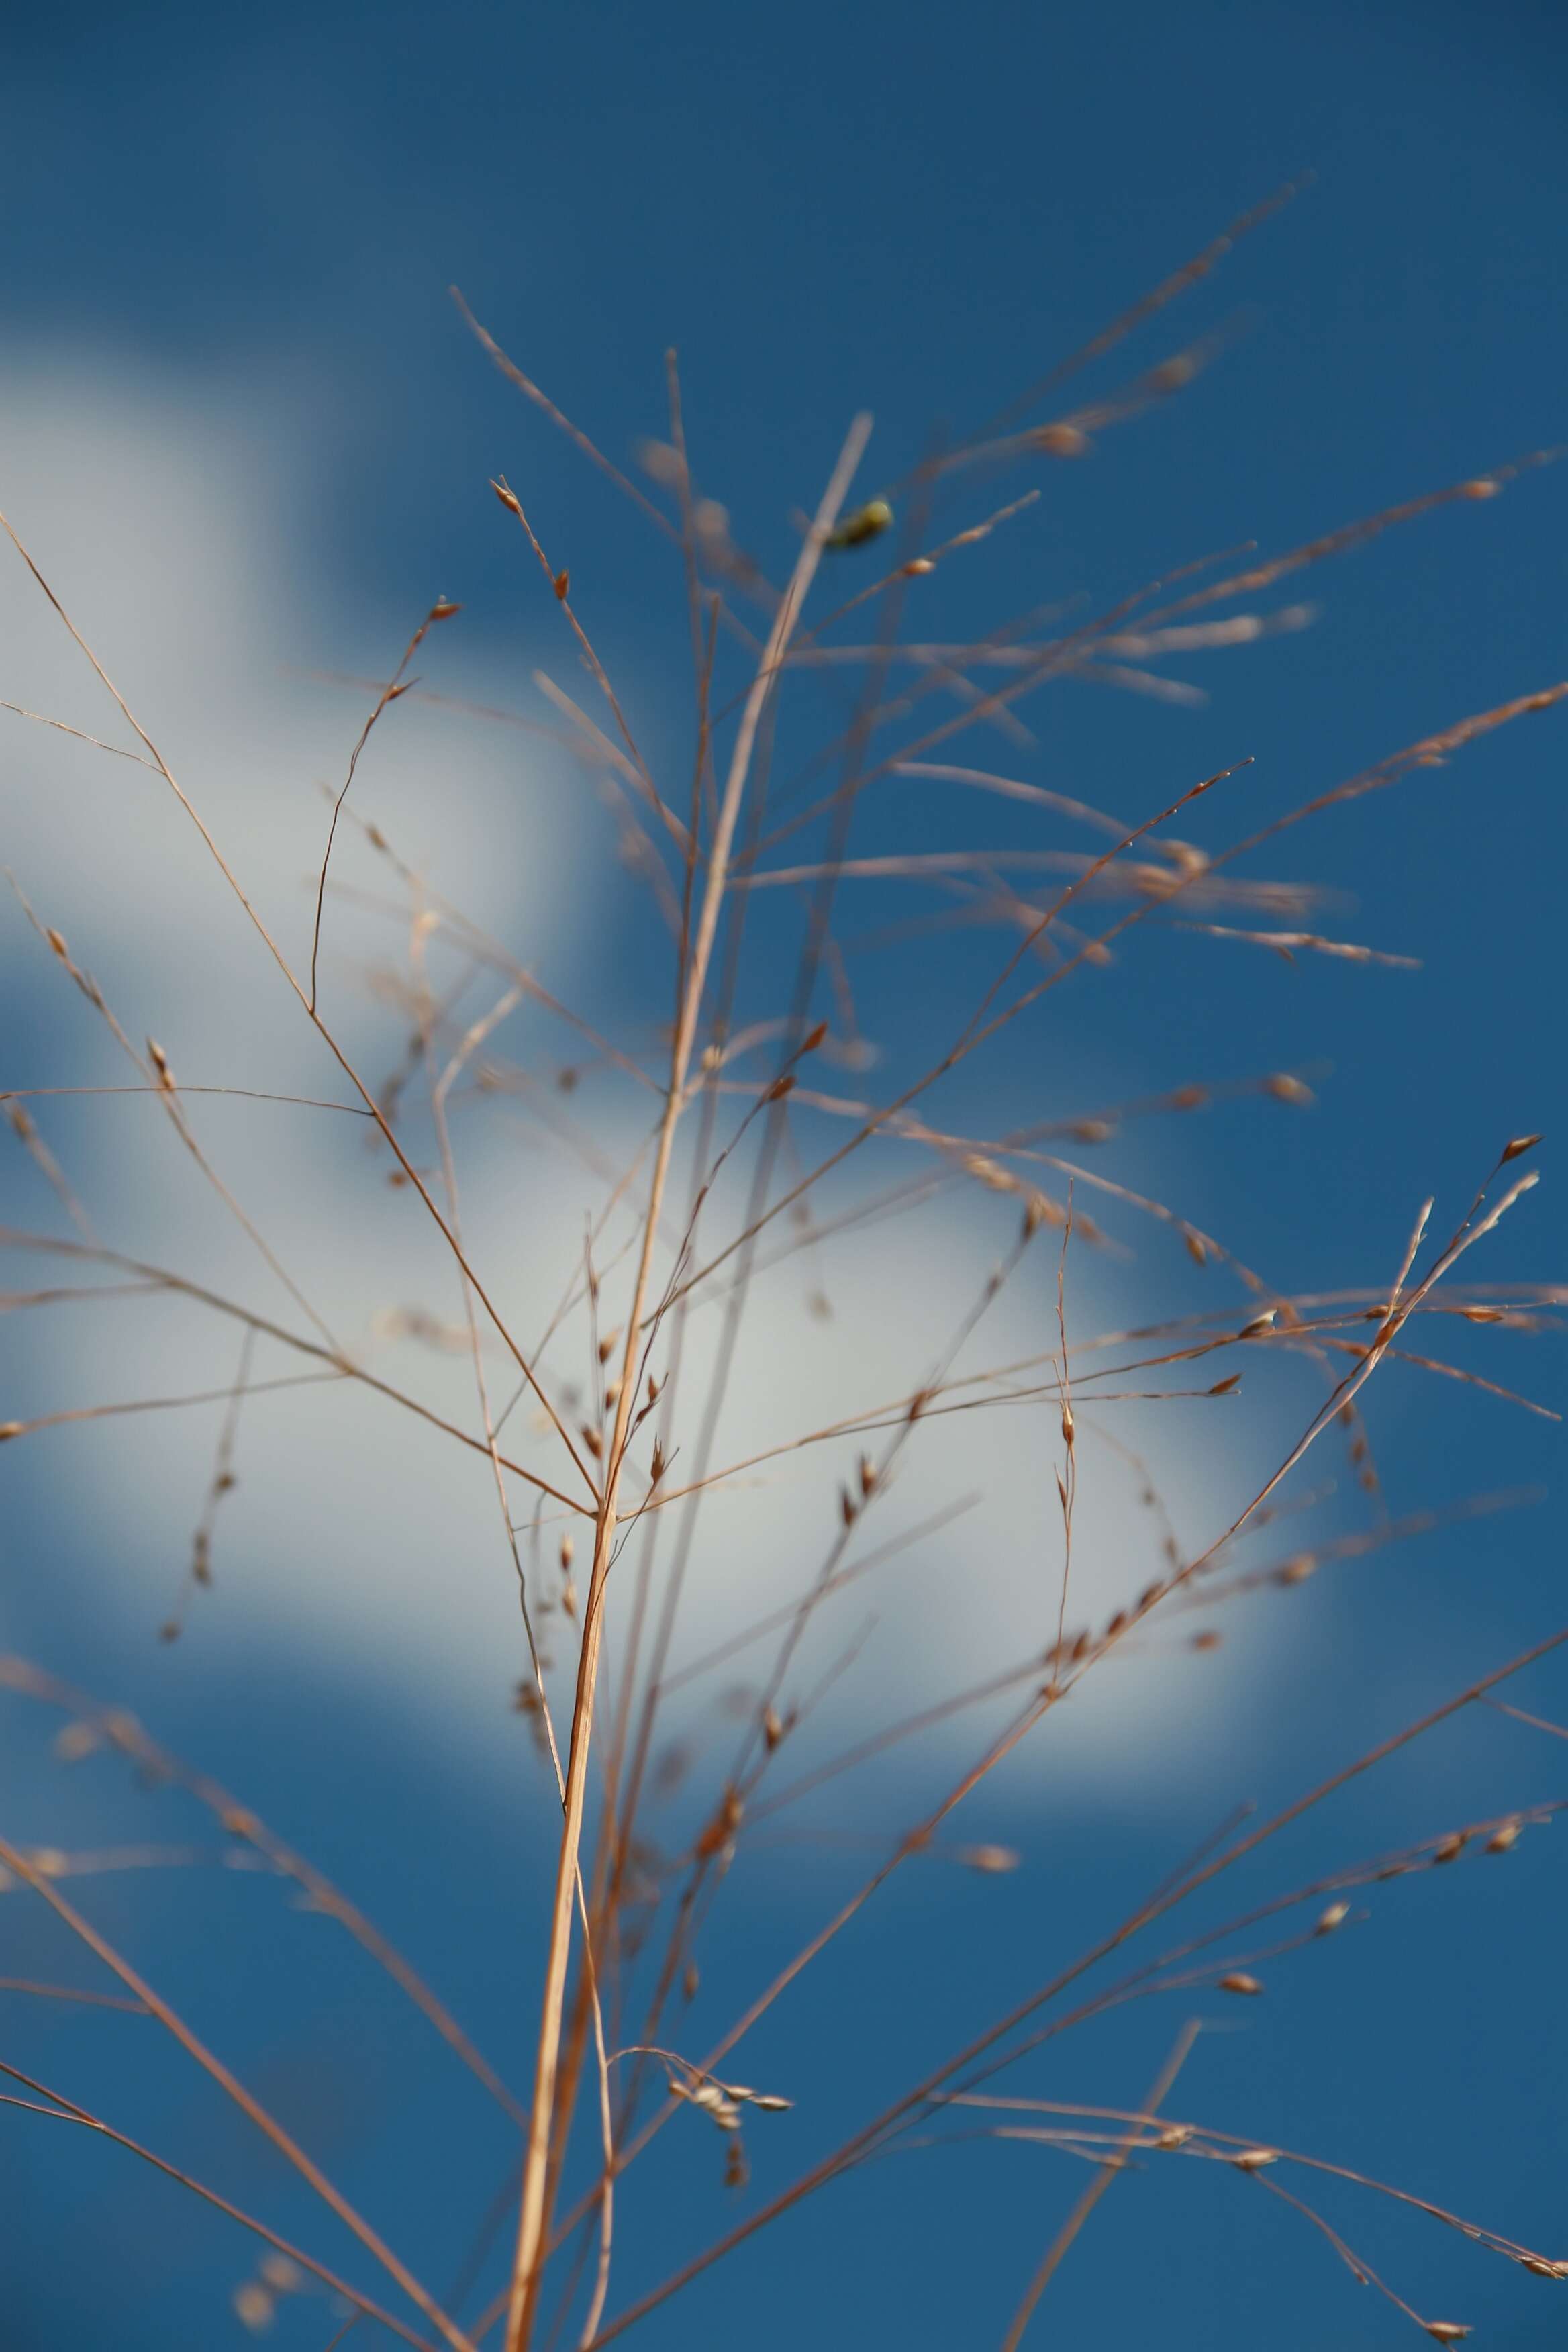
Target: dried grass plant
point(765, 1141)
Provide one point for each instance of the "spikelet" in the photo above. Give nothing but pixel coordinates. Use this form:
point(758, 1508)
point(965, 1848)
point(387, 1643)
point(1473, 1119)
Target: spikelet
point(1061, 440)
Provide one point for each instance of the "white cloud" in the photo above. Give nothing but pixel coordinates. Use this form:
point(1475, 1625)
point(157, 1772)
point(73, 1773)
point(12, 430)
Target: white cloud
point(174, 521)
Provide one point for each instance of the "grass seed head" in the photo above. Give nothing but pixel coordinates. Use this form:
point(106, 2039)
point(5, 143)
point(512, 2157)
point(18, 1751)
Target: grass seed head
point(253, 2307)
point(1061, 440)
point(995, 1860)
point(1287, 1090)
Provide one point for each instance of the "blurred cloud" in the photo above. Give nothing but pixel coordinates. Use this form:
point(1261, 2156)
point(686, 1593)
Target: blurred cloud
point(172, 519)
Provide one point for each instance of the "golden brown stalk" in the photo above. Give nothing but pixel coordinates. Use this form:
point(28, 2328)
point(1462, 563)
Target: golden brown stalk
point(532, 2222)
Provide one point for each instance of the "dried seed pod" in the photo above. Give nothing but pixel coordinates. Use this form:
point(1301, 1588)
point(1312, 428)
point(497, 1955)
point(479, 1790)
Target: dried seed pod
point(994, 1859)
point(1061, 440)
point(1502, 1839)
point(722, 1828)
point(1287, 1090)
point(253, 2307)
point(1451, 1847)
point(990, 1173)
point(1446, 2331)
point(1521, 1143)
point(1238, 1980)
point(1253, 2159)
point(1335, 1916)
point(568, 1550)
point(1174, 2136)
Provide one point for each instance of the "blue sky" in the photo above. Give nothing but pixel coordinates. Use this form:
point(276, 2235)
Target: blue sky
point(228, 244)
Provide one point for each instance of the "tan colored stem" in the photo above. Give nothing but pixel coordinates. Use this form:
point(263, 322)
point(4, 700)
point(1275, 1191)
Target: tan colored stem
point(287, 2148)
point(533, 2220)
